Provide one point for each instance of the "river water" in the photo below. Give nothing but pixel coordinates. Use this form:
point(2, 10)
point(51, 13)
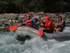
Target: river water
point(59, 47)
point(9, 44)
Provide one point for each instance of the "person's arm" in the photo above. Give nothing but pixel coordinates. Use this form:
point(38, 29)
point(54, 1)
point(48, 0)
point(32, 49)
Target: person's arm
point(61, 23)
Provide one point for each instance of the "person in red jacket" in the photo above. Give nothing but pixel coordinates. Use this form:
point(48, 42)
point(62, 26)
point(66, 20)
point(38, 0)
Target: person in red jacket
point(12, 28)
point(41, 32)
point(28, 22)
point(49, 26)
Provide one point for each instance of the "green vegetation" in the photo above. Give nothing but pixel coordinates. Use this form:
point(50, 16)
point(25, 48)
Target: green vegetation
point(18, 6)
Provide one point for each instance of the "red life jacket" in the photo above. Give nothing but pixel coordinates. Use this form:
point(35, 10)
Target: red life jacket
point(13, 28)
point(28, 23)
point(41, 33)
point(48, 23)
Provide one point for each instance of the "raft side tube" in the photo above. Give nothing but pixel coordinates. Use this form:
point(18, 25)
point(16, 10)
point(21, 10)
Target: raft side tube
point(26, 33)
point(60, 36)
point(23, 31)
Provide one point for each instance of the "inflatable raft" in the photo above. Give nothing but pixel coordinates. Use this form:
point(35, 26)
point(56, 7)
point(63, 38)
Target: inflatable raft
point(32, 33)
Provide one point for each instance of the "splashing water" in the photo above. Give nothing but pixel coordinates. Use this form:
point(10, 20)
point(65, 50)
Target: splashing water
point(8, 44)
point(59, 47)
